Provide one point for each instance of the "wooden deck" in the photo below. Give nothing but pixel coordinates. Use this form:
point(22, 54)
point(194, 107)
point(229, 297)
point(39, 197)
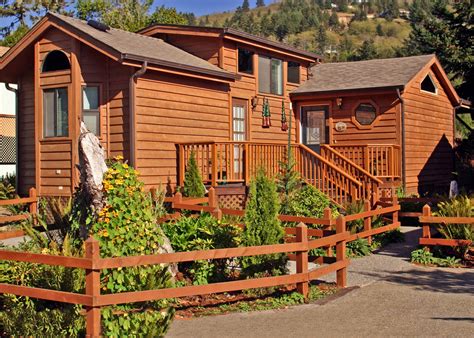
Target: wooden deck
point(346, 175)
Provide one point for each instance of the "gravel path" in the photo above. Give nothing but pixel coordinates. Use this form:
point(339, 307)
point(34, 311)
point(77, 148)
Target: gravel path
point(387, 296)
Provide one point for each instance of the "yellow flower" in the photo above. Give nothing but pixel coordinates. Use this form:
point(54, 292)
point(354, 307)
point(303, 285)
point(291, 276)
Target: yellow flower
point(107, 220)
point(119, 158)
point(125, 165)
point(45, 251)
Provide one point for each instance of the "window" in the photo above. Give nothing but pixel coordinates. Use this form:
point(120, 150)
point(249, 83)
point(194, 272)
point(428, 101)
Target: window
point(427, 85)
point(365, 114)
point(91, 108)
point(55, 112)
point(245, 61)
point(270, 75)
point(293, 72)
point(56, 60)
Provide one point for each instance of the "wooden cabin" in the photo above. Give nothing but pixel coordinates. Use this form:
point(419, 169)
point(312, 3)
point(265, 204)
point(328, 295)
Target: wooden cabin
point(158, 95)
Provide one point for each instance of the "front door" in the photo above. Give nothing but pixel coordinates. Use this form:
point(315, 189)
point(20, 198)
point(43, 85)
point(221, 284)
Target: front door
point(315, 127)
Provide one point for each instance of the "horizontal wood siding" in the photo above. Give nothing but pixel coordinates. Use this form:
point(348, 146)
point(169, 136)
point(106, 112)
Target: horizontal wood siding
point(204, 47)
point(429, 138)
point(172, 109)
point(26, 137)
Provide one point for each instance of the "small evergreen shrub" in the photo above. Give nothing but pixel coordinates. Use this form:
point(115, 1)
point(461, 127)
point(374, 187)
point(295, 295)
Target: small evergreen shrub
point(193, 186)
point(202, 233)
point(262, 227)
point(358, 248)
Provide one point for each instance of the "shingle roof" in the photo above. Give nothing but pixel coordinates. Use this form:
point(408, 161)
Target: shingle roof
point(380, 73)
point(3, 50)
point(138, 47)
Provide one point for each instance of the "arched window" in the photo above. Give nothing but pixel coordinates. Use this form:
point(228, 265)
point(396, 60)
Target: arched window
point(428, 85)
point(56, 60)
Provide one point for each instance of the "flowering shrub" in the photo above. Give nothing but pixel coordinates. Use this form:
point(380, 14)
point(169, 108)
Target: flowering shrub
point(126, 226)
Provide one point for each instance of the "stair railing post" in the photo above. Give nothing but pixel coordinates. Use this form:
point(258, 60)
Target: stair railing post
point(341, 274)
point(368, 220)
point(247, 164)
point(93, 325)
point(302, 259)
point(214, 164)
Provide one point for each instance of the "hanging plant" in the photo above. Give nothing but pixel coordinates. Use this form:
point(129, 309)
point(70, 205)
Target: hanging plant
point(266, 122)
point(284, 123)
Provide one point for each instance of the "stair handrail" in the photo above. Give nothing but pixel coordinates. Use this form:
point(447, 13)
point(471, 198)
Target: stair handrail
point(358, 167)
point(331, 165)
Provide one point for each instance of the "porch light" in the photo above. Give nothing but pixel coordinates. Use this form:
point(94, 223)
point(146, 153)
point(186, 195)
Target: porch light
point(254, 102)
point(339, 102)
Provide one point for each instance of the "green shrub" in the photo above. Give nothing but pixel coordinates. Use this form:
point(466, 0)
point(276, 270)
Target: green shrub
point(425, 257)
point(357, 225)
point(308, 201)
point(393, 236)
point(202, 233)
point(262, 227)
point(358, 248)
point(193, 186)
point(126, 226)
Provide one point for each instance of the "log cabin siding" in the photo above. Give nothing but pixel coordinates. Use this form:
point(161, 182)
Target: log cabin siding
point(172, 109)
point(26, 139)
point(204, 47)
point(429, 137)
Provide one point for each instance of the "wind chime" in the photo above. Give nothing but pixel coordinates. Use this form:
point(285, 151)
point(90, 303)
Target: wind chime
point(266, 121)
point(284, 123)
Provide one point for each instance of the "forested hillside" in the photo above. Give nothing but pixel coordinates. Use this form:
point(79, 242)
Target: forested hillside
point(340, 30)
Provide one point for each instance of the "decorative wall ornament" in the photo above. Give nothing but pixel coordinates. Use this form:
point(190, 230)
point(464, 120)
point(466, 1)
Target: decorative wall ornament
point(266, 121)
point(284, 123)
point(254, 102)
point(341, 126)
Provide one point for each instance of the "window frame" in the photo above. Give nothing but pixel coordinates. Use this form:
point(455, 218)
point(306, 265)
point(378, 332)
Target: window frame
point(270, 71)
point(43, 112)
point(354, 110)
point(432, 81)
point(99, 103)
point(288, 71)
point(252, 58)
point(68, 69)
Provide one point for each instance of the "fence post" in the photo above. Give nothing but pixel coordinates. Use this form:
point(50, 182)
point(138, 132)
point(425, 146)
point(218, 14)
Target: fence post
point(341, 274)
point(426, 226)
point(92, 289)
point(395, 203)
point(302, 258)
point(214, 203)
point(182, 165)
point(367, 220)
point(33, 208)
point(327, 215)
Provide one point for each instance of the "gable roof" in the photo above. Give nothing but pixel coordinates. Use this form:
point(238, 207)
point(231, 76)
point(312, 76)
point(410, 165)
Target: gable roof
point(127, 46)
point(371, 74)
point(227, 32)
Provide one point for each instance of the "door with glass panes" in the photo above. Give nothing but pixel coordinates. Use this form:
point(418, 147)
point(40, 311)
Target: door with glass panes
point(239, 134)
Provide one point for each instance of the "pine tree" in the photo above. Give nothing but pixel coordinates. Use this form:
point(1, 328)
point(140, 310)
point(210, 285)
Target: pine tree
point(262, 227)
point(321, 39)
point(260, 3)
point(193, 186)
point(379, 30)
point(246, 6)
point(333, 20)
point(367, 51)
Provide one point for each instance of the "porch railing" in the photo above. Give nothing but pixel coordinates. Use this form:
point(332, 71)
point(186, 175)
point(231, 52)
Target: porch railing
point(380, 160)
point(237, 162)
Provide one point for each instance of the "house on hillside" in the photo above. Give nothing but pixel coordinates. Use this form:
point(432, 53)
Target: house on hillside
point(160, 94)
point(7, 127)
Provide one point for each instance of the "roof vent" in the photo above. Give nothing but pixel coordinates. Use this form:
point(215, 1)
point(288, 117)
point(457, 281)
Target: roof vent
point(98, 25)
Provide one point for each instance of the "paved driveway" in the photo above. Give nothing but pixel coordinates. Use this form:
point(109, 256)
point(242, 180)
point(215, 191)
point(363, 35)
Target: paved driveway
point(387, 296)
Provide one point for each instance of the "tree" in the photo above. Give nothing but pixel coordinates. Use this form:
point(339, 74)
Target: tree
point(321, 39)
point(379, 30)
point(163, 15)
point(366, 52)
point(260, 3)
point(262, 227)
point(450, 35)
point(246, 6)
point(333, 20)
point(193, 186)
point(15, 36)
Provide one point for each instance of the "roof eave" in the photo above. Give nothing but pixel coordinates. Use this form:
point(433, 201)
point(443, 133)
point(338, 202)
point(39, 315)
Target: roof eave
point(335, 91)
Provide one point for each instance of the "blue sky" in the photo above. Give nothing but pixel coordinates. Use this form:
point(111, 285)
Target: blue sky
point(198, 7)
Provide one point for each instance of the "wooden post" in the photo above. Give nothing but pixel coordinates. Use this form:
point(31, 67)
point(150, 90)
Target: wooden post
point(214, 165)
point(302, 258)
point(366, 159)
point(375, 193)
point(92, 289)
point(367, 220)
point(395, 203)
point(182, 165)
point(384, 193)
point(327, 215)
point(214, 203)
point(426, 226)
point(33, 205)
point(341, 274)
point(246, 164)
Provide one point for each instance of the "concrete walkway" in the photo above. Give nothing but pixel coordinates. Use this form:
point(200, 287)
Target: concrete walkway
point(387, 296)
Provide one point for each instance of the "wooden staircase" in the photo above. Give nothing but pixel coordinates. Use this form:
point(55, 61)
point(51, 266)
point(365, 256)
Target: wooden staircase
point(339, 177)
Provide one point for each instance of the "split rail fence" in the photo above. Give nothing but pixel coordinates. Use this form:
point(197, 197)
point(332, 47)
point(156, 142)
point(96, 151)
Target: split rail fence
point(31, 201)
point(299, 243)
point(428, 221)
